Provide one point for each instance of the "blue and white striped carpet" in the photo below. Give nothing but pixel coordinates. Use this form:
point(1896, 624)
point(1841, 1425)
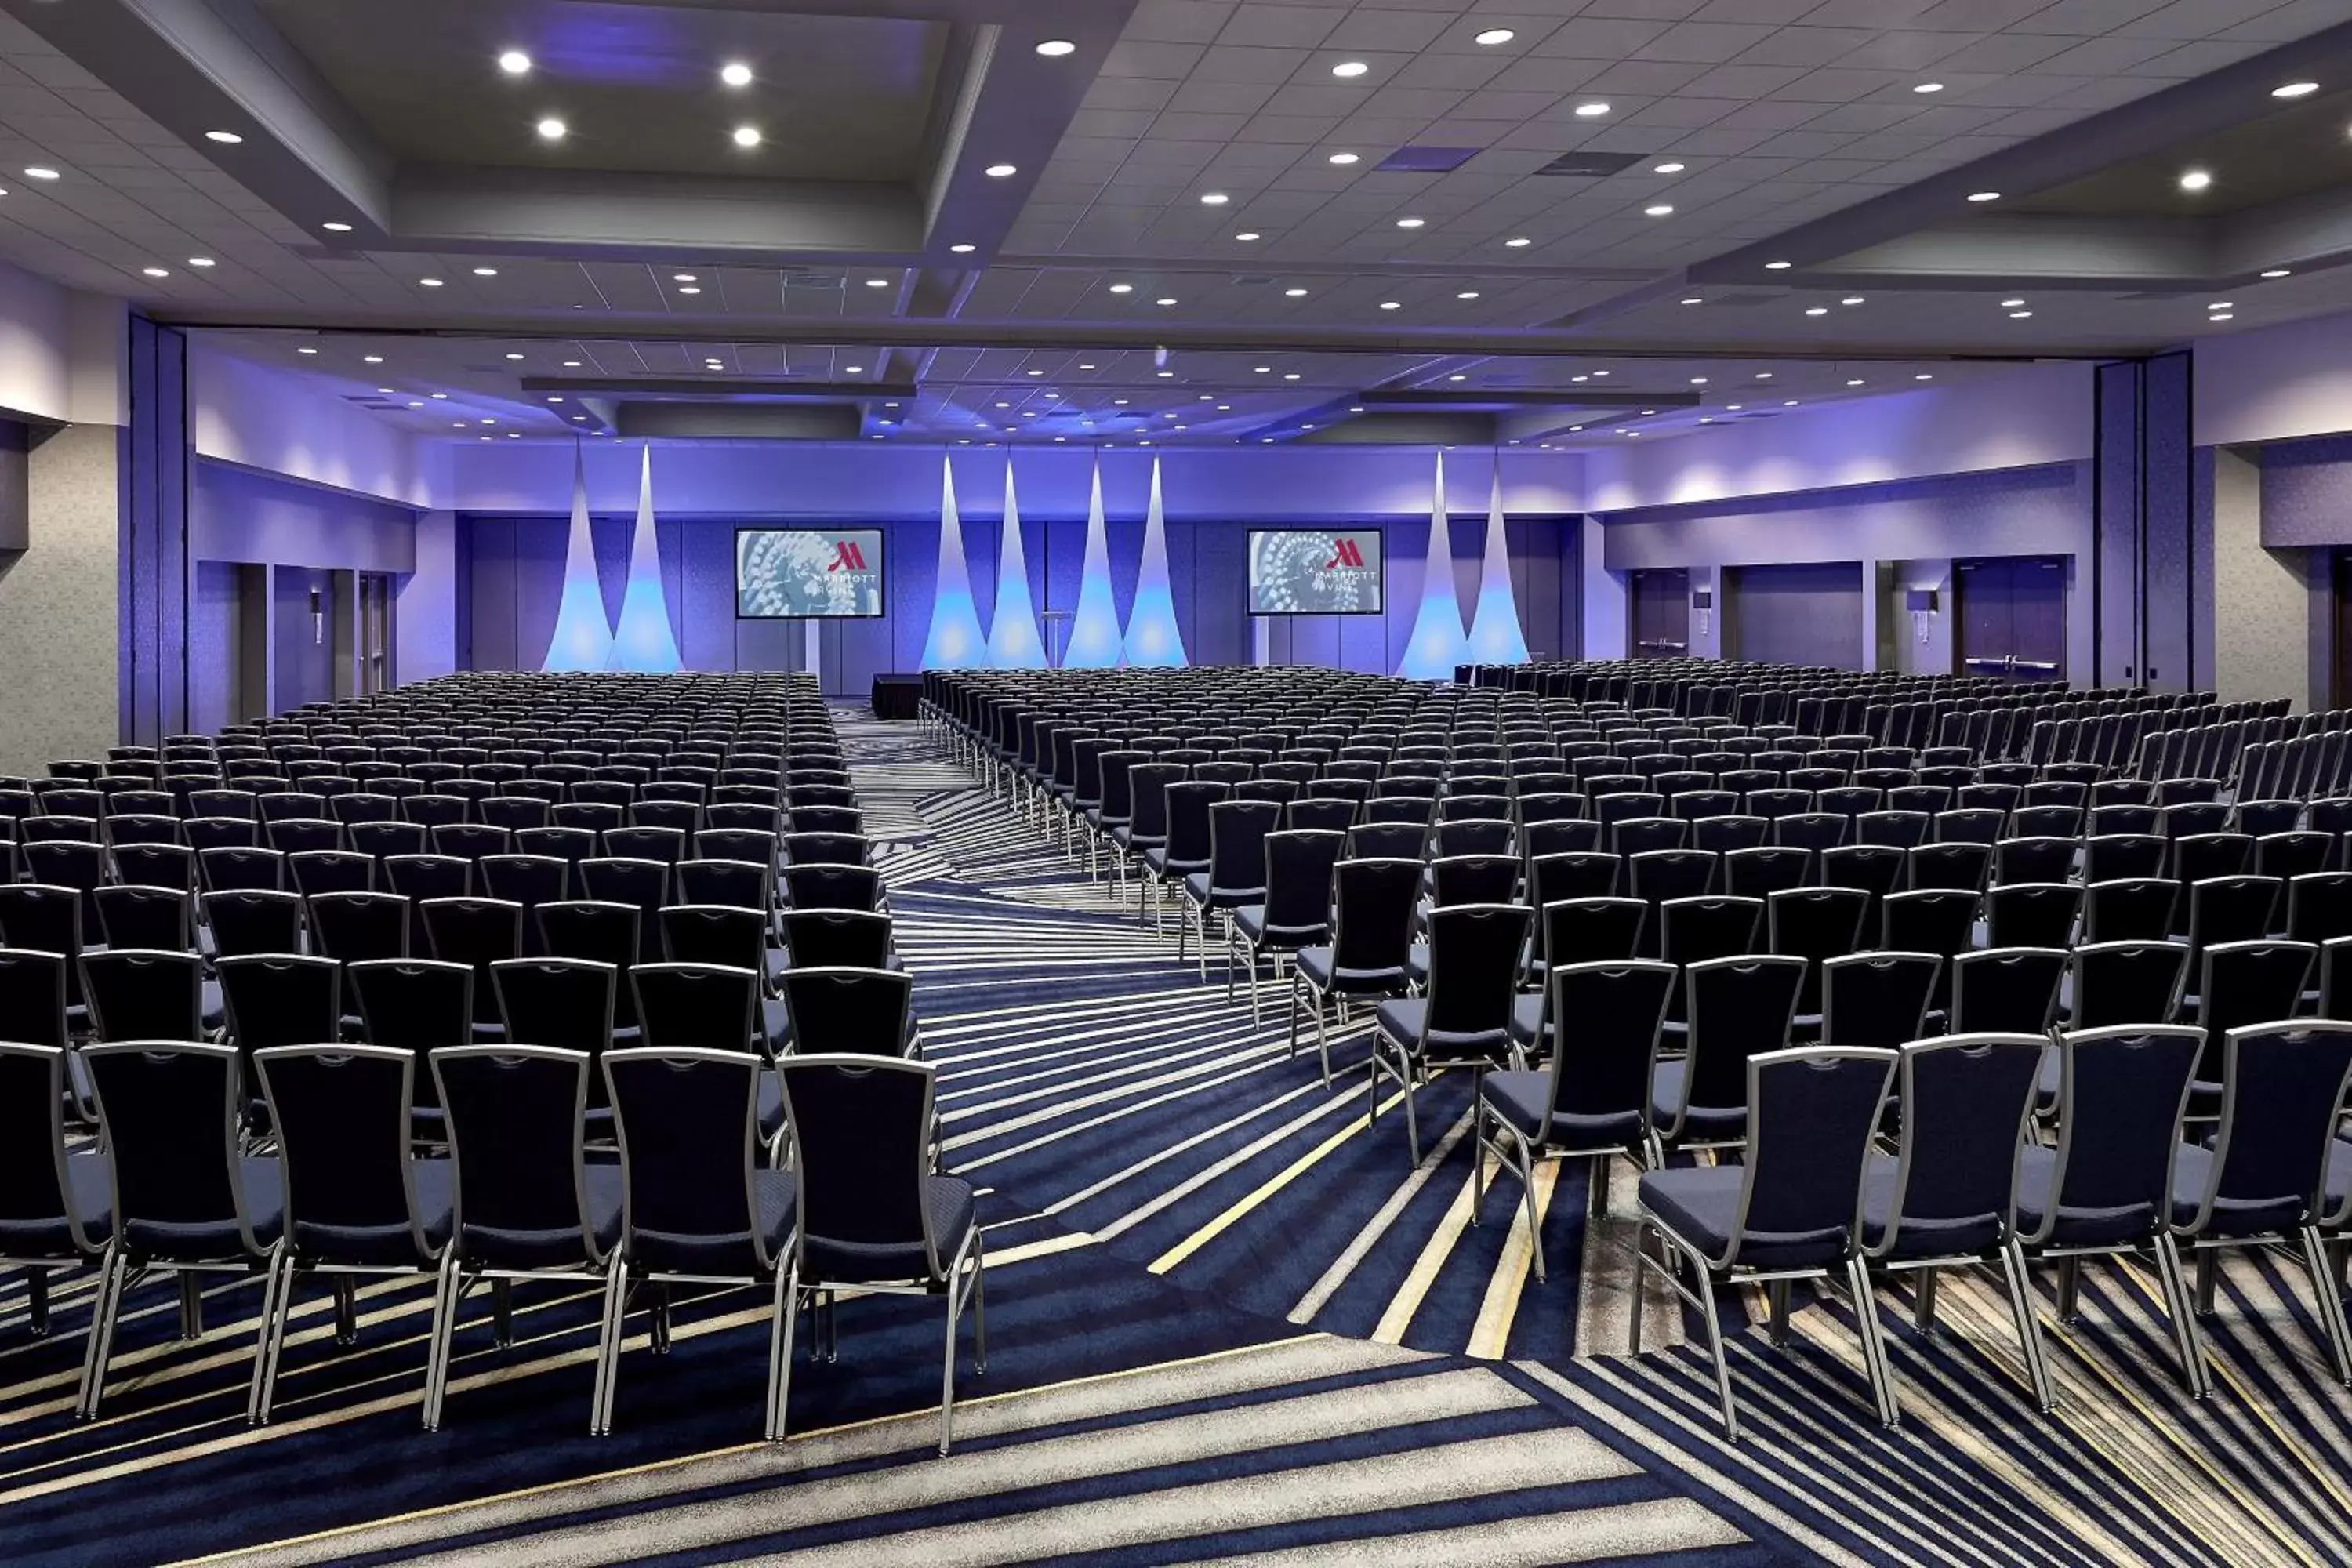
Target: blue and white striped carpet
point(1229, 1322)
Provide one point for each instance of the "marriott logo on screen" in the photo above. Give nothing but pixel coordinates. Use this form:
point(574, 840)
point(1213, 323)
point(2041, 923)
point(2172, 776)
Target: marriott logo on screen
point(1344, 552)
point(849, 555)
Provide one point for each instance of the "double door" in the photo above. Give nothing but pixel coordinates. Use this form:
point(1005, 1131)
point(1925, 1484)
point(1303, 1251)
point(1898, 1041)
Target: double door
point(2011, 615)
point(1658, 613)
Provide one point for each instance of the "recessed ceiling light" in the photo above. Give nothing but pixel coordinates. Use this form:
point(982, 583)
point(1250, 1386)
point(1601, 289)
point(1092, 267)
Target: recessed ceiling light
point(553, 399)
point(1857, 382)
point(1667, 169)
point(749, 136)
point(428, 282)
point(2220, 305)
point(1290, 375)
point(226, 138)
point(514, 62)
point(40, 172)
point(2019, 315)
point(1601, 372)
point(1349, 68)
point(1984, 195)
point(1467, 294)
point(1818, 310)
point(1850, 299)
point(155, 272)
point(416, 405)
point(1118, 402)
point(735, 73)
point(1693, 300)
point(510, 356)
point(1923, 375)
point(1659, 210)
point(1168, 300)
point(1927, 87)
point(1458, 376)
point(2296, 90)
point(1391, 305)
point(1261, 370)
point(1214, 199)
point(1776, 266)
point(551, 129)
point(1036, 372)
point(2279, 272)
point(878, 282)
point(1792, 403)
point(1344, 158)
point(1698, 381)
point(854, 370)
point(1122, 287)
point(306, 348)
point(1294, 293)
point(2221, 316)
point(2196, 180)
point(200, 261)
point(371, 359)
point(1085, 367)
point(688, 288)
point(1763, 376)
point(439, 394)
point(1412, 222)
point(1494, 36)
point(1246, 234)
point(684, 277)
point(1519, 242)
point(1734, 407)
point(1580, 378)
point(1001, 171)
point(387, 392)
point(963, 249)
point(1590, 110)
point(486, 272)
point(1054, 48)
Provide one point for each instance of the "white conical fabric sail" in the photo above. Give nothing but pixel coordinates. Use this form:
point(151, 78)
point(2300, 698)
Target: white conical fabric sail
point(1012, 627)
point(583, 637)
point(1435, 646)
point(644, 641)
point(1094, 630)
point(954, 641)
point(1152, 635)
point(1494, 633)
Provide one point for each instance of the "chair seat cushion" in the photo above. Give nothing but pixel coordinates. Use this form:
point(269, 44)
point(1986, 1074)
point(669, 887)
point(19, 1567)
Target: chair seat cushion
point(1701, 1205)
point(1315, 964)
point(723, 1252)
point(392, 1244)
point(2192, 1172)
point(559, 1247)
point(90, 1190)
point(1156, 860)
point(1250, 920)
point(1699, 1121)
point(217, 1241)
point(1523, 1101)
point(949, 1200)
point(1967, 1236)
point(1527, 1017)
point(2036, 1168)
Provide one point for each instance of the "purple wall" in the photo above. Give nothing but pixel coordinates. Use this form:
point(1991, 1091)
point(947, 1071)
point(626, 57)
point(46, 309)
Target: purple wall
point(236, 514)
point(2307, 492)
point(513, 570)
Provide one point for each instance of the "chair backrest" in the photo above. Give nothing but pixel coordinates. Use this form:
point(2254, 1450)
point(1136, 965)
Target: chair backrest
point(37, 1217)
point(1474, 962)
point(1967, 1100)
point(1877, 999)
point(1372, 904)
point(143, 994)
point(1602, 1069)
point(837, 938)
point(33, 995)
point(517, 1121)
point(2282, 1091)
point(844, 1011)
point(697, 1006)
point(2244, 982)
point(861, 1132)
point(281, 999)
point(1298, 880)
point(714, 933)
point(170, 1111)
point(2007, 990)
point(1738, 1008)
point(415, 1004)
point(1811, 1115)
point(1589, 931)
point(688, 1121)
point(1238, 830)
point(2125, 982)
point(2121, 1095)
point(566, 1003)
point(833, 887)
point(134, 916)
point(342, 1116)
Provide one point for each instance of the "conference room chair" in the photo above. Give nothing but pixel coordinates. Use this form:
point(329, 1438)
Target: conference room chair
point(1786, 1212)
point(1560, 835)
point(528, 1204)
point(1878, 999)
point(2031, 914)
point(1947, 865)
point(312, 872)
point(2104, 1188)
point(1320, 814)
point(469, 840)
point(170, 866)
point(1945, 1197)
point(125, 828)
point(383, 840)
point(1697, 929)
point(2227, 908)
point(852, 1120)
point(137, 994)
point(187, 1201)
point(431, 810)
point(1760, 873)
point(824, 939)
point(2318, 907)
point(1184, 847)
point(753, 844)
point(663, 845)
point(514, 812)
point(78, 865)
point(1737, 1008)
point(2007, 990)
point(418, 1005)
point(356, 1205)
point(1592, 1101)
point(39, 918)
point(356, 927)
point(645, 885)
point(1234, 876)
point(131, 916)
point(725, 934)
point(2040, 859)
point(745, 884)
point(293, 835)
point(1587, 930)
point(279, 999)
point(839, 1010)
point(57, 1208)
point(590, 815)
point(1815, 924)
point(680, 816)
point(1373, 903)
point(2288, 852)
point(2240, 983)
point(478, 933)
point(1294, 913)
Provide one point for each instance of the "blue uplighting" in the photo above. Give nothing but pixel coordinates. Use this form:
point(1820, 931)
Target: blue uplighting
point(1437, 644)
point(582, 638)
point(1494, 633)
point(1094, 630)
point(643, 640)
point(1013, 629)
point(1153, 638)
point(954, 641)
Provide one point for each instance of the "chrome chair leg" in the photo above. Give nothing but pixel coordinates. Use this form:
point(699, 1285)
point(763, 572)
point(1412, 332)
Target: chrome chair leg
point(1923, 1301)
point(781, 1373)
point(115, 1270)
point(2328, 1304)
point(608, 1348)
point(1874, 1361)
point(2028, 1335)
point(444, 1325)
point(2192, 1350)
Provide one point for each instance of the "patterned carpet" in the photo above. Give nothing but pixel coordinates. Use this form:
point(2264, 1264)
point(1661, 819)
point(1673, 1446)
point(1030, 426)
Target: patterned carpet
point(1228, 1321)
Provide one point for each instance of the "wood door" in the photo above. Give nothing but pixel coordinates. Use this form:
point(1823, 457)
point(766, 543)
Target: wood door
point(2011, 618)
point(1661, 613)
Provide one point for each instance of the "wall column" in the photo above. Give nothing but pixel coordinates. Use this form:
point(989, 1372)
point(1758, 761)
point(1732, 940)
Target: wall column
point(2144, 597)
point(2260, 606)
point(1602, 623)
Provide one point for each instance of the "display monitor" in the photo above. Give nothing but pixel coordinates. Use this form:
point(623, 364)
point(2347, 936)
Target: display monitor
point(794, 574)
point(1315, 572)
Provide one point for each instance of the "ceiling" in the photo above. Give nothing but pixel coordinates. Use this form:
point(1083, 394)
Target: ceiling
point(863, 252)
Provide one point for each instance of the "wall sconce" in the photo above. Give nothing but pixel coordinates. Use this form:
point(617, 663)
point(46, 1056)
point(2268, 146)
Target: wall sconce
point(1703, 607)
point(1922, 603)
point(318, 620)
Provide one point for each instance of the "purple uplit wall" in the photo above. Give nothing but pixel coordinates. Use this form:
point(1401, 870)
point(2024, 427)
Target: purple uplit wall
point(511, 565)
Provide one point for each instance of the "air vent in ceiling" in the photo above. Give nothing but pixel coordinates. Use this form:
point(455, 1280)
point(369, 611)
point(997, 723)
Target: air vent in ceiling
point(1427, 160)
point(1591, 165)
point(812, 280)
point(1252, 279)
